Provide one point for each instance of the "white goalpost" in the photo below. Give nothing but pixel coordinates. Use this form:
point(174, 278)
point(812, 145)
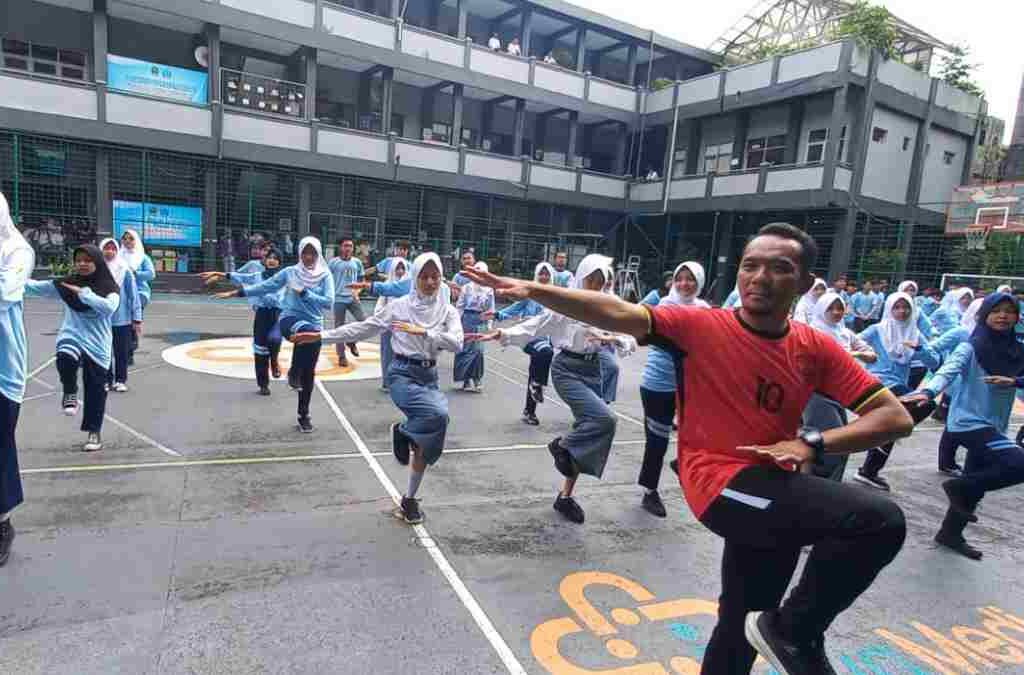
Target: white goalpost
point(982, 282)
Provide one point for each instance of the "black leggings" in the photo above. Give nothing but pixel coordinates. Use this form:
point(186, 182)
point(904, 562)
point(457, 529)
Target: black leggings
point(94, 378)
point(10, 478)
point(877, 457)
point(121, 351)
point(765, 519)
point(266, 341)
point(659, 412)
point(993, 462)
point(304, 358)
point(541, 354)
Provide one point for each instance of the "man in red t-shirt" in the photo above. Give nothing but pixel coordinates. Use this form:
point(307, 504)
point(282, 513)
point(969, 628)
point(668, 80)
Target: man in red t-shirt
point(746, 377)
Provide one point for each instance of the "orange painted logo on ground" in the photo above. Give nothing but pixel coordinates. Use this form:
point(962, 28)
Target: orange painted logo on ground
point(233, 357)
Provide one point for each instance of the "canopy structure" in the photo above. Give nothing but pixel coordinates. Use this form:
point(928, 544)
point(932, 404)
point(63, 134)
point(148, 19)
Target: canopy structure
point(779, 23)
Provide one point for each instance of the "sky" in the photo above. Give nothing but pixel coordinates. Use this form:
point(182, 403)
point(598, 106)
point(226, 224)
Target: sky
point(993, 29)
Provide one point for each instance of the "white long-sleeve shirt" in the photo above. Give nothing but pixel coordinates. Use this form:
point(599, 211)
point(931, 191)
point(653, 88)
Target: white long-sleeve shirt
point(565, 333)
point(448, 337)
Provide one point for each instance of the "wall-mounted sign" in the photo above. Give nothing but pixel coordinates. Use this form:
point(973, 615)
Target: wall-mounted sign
point(155, 79)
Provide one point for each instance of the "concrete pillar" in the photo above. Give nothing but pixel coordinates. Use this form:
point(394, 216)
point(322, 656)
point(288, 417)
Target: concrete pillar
point(104, 207)
point(570, 146)
point(309, 56)
point(387, 100)
point(835, 130)
point(395, 9)
point(739, 139)
point(305, 202)
point(842, 245)
point(793, 139)
point(519, 129)
point(726, 222)
point(631, 65)
point(581, 49)
point(525, 29)
point(540, 133)
point(99, 56)
point(449, 226)
point(621, 148)
point(462, 7)
point(457, 106)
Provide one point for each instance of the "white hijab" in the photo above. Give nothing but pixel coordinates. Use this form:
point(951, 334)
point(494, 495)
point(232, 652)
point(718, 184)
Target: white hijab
point(970, 318)
point(821, 322)
point(805, 308)
point(674, 297)
point(474, 288)
point(393, 276)
point(894, 333)
point(590, 264)
point(427, 311)
point(544, 266)
point(1005, 288)
point(11, 245)
point(951, 301)
point(118, 267)
point(133, 258)
point(904, 285)
point(310, 277)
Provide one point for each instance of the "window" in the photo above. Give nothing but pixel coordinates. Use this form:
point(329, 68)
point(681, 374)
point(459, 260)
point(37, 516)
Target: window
point(42, 60)
point(948, 157)
point(879, 135)
point(768, 150)
point(679, 163)
point(906, 143)
point(438, 133)
point(816, 140)
point(718, 158)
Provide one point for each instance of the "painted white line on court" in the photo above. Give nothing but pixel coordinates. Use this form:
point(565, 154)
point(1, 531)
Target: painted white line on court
point(43, 366)
point(475, 610)
point(44, 383)
point(39, 396)
point(282, 459)
point(558, 400)
point(143, 437)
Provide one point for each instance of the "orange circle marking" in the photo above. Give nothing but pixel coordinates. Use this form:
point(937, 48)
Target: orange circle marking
point(625, 617)
point(621, 649)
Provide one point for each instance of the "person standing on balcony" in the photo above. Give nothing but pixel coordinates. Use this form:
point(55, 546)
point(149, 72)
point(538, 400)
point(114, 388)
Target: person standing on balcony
point(494, 44)
point(133, 252)
point(513, 47)
point(17, 259)
point(550, 59)
point(346, 270)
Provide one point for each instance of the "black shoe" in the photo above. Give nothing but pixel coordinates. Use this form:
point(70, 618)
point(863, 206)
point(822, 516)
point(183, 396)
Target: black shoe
point(674, 465)
point(568, 507)
point(536, 392)
point(563, 460)
point(293, 380)
point(530, 418)
point(70, 404)
point(6, 537)
point(399, 444)
point(652, 504)
point(264, 391)
point(875, 481)
point(275, 370)
point(411, 512)
point(957, 502)
point(305, 425)
point(956, 471)
point(786, 656)
point(959, 545)
point(353, 348)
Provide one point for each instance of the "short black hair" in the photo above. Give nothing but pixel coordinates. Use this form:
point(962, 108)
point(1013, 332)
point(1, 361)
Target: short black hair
point(808, 247)
point(403, 243)
point(344, 239)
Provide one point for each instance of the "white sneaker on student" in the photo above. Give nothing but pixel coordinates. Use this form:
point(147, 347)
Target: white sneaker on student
point(120, 387)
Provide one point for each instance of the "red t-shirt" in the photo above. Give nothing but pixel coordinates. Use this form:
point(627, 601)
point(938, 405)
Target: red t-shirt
point(741, 388)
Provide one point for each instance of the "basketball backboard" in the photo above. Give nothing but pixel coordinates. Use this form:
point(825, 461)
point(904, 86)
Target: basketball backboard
point(999, 206)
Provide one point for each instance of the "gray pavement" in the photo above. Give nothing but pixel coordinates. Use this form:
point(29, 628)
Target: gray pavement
point(261, 550)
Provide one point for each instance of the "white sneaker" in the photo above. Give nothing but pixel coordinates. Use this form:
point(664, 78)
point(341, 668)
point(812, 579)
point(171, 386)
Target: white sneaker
point(70, 404)
point(93, 443)
point(120, 387)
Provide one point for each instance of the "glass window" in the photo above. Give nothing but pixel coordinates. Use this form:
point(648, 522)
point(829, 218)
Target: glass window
point(948, 157)
point(679, 163)
point(879, 135)
point(42, 59)
point(768, 150)
point(816, 141)
point(718, 158)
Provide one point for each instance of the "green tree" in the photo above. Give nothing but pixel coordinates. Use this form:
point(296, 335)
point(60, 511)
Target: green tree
point(1002, 255)
point(872, 26)
point(882, 262)
point(958, 72)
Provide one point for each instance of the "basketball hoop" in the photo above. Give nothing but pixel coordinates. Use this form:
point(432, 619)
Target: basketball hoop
point(977, 237)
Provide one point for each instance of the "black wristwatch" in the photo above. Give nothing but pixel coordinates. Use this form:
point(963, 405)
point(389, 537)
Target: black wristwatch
point(813, 438)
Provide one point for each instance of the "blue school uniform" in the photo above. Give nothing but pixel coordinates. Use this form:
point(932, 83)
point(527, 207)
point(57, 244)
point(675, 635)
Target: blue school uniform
point(82, 332)
point(300, 312)
point(129, 310)
point(13, 342)
point(143, 276)
point(732, 300)
point(975, 404)
point(345, 272)
point(563, 279)
point(892, 373)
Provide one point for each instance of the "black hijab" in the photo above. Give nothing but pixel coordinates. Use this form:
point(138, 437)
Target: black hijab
point(101, 281)
point(271, 253)
point(998, 352)
point(665, 285)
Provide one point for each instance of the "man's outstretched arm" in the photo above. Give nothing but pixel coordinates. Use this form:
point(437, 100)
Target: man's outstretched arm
point(591, 307)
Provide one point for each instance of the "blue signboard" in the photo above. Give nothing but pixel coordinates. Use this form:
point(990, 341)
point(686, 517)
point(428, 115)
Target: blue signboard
point(160, 224)
point(154, 79)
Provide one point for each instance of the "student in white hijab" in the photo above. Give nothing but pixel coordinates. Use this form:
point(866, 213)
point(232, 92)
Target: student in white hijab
point(954, 303)
point(423, 323)
point(474, 304)
point(823, 413)
point(804, 312)
point(398, 269)
point(658, 387)
point(576, 373)
point(133, 254)
point(897, 342)
point(924, 325)
point(126, 322)
point(308, 290)
point(16, 263)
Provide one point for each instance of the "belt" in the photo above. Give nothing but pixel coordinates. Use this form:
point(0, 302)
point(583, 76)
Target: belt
point(422, 363)
point(579, 356)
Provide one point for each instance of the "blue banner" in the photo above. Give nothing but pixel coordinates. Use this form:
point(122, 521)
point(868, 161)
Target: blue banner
point(160, 224)
point(154, 79)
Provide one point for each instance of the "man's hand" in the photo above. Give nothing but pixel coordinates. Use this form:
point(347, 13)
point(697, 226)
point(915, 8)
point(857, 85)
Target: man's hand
point(483, 337)
point(505, 287)
point(212, 277)
point(410, 328)
point(789, 455)
point(304, 338)
point(1000, 381)
point(916, 399)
